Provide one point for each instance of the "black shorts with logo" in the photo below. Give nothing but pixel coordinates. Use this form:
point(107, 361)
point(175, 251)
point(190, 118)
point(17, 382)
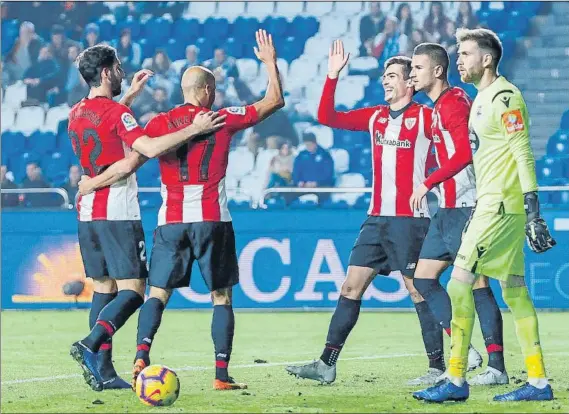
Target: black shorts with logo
point(387, 244)
point(445, 234)
point(177, 245)
point(113, 248)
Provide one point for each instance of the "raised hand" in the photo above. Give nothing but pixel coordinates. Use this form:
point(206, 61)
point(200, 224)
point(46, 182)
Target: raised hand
point(265, 50)
point(336, 59)
point(138, 81)
point(208, 122)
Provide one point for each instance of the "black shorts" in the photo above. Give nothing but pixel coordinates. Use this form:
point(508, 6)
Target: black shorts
point(113, 248)
point(176, 246)
point(445, 234)
point(387, 244)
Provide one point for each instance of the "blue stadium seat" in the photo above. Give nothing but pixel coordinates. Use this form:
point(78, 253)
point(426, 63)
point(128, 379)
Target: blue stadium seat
point(335, 205)
point(186, 30)
point(130, 23)
point(303, 204)
point(175, 49)
point(238, 205)
point(558, 144)
point(55, 165)
point(150, 200)
point(559, 198)
point(365, 161)
point(42, 142)
point(247, 51)
point(216, 29)
point(292, 48)
point(517, 23)
point(66, 148)
point(363, 202)
point(106, 30)
point(233, 47)
point(496, 18)
point(564, 121)
point(13, 143)
point(206, 48)
point(304, 26)
point(276, 26)
point(10, 30)
point(147, 47)
point(549, 170)
point(374, 92)
point(275, 203)
point(244, 28)
point(157, 30)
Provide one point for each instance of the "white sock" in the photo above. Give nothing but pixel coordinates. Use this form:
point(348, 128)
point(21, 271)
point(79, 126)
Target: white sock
point(540, 383)
point(457, 381)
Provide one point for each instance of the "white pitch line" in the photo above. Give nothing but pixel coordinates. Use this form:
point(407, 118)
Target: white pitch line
point(270, 364)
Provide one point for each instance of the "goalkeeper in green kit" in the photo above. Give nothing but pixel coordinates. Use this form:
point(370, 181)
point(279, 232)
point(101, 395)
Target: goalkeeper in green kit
point(506, 212)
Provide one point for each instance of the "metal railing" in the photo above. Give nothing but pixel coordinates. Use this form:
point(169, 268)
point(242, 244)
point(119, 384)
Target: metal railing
point(62, 192)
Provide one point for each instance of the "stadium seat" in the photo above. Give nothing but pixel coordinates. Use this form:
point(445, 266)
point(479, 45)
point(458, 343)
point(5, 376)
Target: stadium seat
point(347, 8)
point(10, 30)
point(106, 30)
point(289, 9)
point(564, 124)
point(317, 8)
point(341, 159)
point(240, 163)
point(55, 165)
point(253, 186)
point(150, 200)
point(202, 9)
point(305, 26)
point(216, 29)
point(260, 9)
point(15, 94)
point(239, 202)
point(275, 202)
point(292, 48)
point(232, 9)
point(186, 30)
point(178, 65)
point(13, 143)
point(54, 116)
point(317, 47)
point(147, 47)
point(349, 93)
point(548, 170)
point(233, 47)
point(29, 119)
point(349, 180)
point(333, 204)
point(131, 23)
point(363, 202)
point(8, 117)
point(558, 144)
point(305, 202)
point(363, 64)
point(324, 135)
point(206, 47)
point(42, 142)
point(175, 50)
point(244, 28)
point(365, 161)
point(277, 26)
point(301, 72)
point(263, 161)
point(332, 27)
point(248, 69)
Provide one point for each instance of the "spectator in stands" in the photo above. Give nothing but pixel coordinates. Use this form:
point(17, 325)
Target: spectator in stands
point(42, 77)
point(280, 169)
point(313, 167)
point(370, 26)
point(164, 74)
point(222, 101)
point(390, 42)
point(405, 18)
point(25, 52)
point(418, 36)
point(129, 52)
point(149, 108)
point(77, 15)
point(72, 183)
point(435, 23)
point(280, 125)
point(448, 40)
point(75, 86)
point(192, 57)
point(6, 77)
point(8, 200)
point(91, 35)
point(34, 179)
point(227, 64)
point(466, 18)
point(60, 44)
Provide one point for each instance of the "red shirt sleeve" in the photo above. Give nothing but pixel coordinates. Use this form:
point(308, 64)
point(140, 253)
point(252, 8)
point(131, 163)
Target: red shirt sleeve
point(240, 117)
point(356, 120)
point(126, 126)
point(454, 118)
point(155, 127)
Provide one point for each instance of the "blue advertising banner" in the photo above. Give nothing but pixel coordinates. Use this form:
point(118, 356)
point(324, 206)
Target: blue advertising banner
point(288, 259)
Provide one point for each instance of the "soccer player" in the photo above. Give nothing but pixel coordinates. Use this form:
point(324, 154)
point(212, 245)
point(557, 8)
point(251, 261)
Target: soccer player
point(194, 222)
point(391, 237)
point(507, 203)
point(111, 238)
point(457, 189)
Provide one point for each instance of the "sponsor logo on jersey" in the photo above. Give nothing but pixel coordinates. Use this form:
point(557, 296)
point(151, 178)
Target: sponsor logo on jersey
point(410, 122)
point(513, 121)
point(380, 140)
point(236, 110)
point(128, 121)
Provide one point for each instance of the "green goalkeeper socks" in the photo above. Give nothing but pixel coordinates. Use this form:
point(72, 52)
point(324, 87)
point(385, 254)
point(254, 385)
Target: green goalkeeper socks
point(462, 323)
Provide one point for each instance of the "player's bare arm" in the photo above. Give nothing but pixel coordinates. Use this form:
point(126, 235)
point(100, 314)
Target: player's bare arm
point(203, 123)
point(266, 53)
point(138, 82)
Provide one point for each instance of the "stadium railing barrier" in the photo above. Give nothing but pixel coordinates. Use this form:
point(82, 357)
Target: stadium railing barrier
point(62, 192)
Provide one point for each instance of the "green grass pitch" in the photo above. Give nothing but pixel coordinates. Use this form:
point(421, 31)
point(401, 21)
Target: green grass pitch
point(384, 350)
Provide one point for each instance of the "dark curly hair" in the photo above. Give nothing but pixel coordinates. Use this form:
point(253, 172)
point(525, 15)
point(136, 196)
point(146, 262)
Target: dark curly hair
point(93, 60)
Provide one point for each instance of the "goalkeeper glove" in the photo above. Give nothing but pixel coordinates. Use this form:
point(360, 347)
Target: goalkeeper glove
point(537, 233)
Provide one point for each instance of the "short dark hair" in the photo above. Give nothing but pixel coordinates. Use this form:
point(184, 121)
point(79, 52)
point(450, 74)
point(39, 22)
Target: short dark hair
point(437, 54)
point(404, 61)
point(485, 39)
point(93, 60)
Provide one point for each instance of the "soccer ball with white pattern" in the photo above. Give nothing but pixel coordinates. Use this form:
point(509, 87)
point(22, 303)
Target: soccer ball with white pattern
point(157, 386)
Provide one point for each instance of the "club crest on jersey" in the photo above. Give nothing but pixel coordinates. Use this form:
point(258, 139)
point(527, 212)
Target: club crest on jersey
point(236, 110)
point(410, 122)
point(513, 121)
point(128, 121)
point(382, 120)
point(436, 139)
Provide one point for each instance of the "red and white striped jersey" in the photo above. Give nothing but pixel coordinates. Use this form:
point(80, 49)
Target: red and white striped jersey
point(102, 132)
point(193, 176)
point(455, 177)
point(401, 150)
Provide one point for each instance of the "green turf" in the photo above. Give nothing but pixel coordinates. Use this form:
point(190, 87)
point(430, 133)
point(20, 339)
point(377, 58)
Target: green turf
point(36, 345)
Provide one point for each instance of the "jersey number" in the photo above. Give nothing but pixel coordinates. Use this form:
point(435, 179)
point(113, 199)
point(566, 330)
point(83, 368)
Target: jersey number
point(207, 152)
point(88, 134)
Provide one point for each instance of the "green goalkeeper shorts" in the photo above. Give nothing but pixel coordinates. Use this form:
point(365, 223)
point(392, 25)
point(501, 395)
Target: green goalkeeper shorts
point(493, 245)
